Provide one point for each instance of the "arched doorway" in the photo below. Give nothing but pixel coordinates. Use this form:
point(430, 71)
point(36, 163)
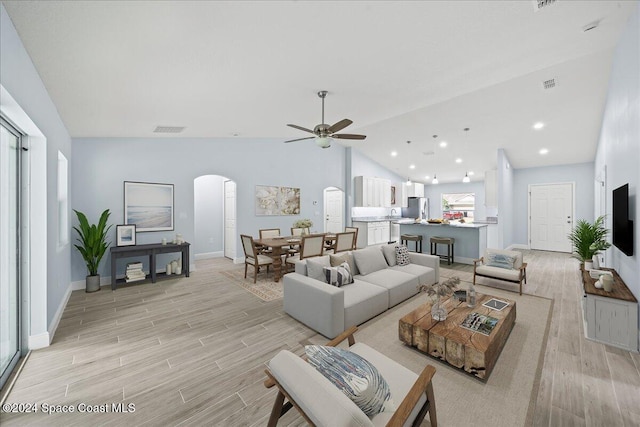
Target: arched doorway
point(214, 199)
point(333, 210)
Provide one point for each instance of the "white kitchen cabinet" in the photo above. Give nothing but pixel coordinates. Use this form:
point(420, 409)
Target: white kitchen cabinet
point(372, 233)
point(415, 189)
point(372, 192)
point(491, 188)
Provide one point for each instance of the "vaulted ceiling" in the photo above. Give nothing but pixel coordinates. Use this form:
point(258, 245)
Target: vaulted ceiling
point(402, 71)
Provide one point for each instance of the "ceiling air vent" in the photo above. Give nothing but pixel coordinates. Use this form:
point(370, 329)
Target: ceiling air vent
point(168, 129)
point(548, 84)
point(541, 4)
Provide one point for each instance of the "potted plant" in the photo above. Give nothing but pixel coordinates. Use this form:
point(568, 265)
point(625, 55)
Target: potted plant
point(93, 245)
point(589, 239)
point(440, 290)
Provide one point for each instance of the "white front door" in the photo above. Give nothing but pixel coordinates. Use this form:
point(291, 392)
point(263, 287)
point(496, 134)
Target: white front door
point(230, 219)
point(333, 209)
point(550, 216)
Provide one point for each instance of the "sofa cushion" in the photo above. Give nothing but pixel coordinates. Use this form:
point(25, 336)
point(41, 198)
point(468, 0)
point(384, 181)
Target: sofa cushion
point(316, 265)
point(357, 378)
point(314, 393)
point(494, 259)
point(399, 284)
point(389, 252)
point(337, 259)
point(362, 301)
point(426, 275)
point(402, 255)
point(369, 260)
point(339, 275)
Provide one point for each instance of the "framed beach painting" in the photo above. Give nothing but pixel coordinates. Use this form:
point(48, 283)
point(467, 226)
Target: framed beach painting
point(148, 205)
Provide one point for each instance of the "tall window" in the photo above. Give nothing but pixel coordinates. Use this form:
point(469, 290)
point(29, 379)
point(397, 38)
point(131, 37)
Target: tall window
point(458, 206)
point(63, 200)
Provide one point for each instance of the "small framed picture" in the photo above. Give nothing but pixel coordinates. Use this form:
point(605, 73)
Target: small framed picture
point(126, 235)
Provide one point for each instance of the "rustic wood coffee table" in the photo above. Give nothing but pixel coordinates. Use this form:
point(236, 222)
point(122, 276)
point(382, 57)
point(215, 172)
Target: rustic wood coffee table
point(472, 351)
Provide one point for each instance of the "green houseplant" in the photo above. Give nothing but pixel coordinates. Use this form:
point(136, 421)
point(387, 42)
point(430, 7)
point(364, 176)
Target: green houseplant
point(93, 245)
point(589, 239)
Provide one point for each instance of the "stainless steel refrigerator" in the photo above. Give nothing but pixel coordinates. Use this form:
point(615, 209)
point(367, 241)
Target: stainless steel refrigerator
point(417, 207)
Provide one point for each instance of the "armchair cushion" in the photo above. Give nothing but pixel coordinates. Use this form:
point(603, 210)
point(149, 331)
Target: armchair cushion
point(500, 260)
point(357, 378)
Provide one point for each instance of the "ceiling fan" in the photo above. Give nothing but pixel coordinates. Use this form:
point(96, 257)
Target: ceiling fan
point(324, 133)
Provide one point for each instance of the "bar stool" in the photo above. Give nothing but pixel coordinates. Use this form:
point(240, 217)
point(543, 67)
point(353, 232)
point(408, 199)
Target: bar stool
point(449, 241)
point(413, 238)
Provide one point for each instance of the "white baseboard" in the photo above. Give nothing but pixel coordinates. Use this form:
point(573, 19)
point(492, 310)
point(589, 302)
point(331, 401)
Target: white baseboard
point(39, 341)
point(80, 285)
point(209, 255)
point(238, 260)
point(63, 304)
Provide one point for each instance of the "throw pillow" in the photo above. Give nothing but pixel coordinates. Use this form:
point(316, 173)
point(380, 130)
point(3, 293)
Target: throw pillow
point(494, 259)
point(338, 276)
point(369, 260)
point(315, 267)
point(402, 255)
point(336, 260)
point(389, 252)
point(354, 376)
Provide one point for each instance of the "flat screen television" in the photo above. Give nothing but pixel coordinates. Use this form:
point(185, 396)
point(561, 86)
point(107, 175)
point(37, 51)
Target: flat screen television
point(622, 225)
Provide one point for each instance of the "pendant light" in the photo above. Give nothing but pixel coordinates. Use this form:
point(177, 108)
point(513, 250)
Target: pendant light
point(466, 178)
point(408, 181)
point(435, 179)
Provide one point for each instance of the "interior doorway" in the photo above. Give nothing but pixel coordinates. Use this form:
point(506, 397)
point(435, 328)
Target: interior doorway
point(214, 217)
point(551, 213)
point(333, 210)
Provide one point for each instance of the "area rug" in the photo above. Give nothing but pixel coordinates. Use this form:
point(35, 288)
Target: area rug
point(264, 288)
point(508, 397)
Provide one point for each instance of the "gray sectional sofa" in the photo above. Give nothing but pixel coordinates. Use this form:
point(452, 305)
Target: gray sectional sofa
point(378, 285)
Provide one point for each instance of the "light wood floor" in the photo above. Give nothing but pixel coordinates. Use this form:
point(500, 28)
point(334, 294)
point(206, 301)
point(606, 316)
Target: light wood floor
point(192, 352)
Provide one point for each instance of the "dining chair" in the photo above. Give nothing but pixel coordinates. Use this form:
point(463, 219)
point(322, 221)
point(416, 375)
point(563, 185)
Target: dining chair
point(344, 241)
point(355, 236)
point(252, 257)
point(299, 231)
point(311, 245)
point(264, 234)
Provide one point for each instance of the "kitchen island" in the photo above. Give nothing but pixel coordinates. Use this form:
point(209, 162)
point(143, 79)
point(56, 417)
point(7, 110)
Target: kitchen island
point(470, 239)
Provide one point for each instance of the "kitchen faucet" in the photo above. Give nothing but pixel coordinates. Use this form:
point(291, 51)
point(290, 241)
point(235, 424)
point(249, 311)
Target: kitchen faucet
point(393, 211)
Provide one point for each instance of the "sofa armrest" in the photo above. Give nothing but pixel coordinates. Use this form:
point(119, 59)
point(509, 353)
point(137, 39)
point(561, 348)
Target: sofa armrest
point(426, 260)
point(318, 305)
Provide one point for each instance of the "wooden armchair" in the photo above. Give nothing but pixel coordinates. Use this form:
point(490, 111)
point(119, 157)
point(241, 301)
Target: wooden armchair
point(322, 404)
point(502, 265)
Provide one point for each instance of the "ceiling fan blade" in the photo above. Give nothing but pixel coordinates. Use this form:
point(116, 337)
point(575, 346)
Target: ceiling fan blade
point(348, 136)
point(300, 139)
point(340, 125)
point(301, 128)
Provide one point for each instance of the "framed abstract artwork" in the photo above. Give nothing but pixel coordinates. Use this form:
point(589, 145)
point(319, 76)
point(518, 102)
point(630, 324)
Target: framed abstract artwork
point(271, 200)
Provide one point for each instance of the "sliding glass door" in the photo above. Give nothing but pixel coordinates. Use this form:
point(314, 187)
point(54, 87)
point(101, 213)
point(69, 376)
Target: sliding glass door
point(9, 249)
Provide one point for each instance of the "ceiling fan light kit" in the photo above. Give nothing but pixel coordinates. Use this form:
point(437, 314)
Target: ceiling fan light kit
point(324, 134)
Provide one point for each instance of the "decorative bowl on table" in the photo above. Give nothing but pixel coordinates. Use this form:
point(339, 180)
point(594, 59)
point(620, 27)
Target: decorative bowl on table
point(434, 221)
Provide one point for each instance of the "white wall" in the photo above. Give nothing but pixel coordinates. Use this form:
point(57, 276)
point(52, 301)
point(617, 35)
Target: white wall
point(619, 144)
point(208, 215)
point(20, 78)
point(506, 206)
point(104, 163)
point(581, 174)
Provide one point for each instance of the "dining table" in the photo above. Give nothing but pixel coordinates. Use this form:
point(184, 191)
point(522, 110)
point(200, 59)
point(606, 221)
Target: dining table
point(280, 246)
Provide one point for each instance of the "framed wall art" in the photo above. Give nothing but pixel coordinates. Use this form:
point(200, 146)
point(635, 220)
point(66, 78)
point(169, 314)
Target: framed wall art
point(126, 235)
point(272, 200)
point(148, 206)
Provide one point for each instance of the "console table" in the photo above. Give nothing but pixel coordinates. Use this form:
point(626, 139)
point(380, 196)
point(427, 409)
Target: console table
point(610, 317)
point(150, 250)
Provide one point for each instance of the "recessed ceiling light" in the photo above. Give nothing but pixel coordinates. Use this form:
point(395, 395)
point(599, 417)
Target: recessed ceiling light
point(426, 177)
point(412, 166)
point(458, 160)
point(543, 151)
point(470, 173)
point(538, 125)
point(394, 153)
point(443, 144)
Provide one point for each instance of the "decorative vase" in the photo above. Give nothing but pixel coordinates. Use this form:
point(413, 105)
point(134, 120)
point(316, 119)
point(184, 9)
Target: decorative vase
point(596, 261)
point(607, 282)
point(438, 312)
point(92, 283)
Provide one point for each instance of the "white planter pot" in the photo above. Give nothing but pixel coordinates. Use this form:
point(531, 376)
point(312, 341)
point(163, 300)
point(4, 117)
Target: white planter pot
point(588, 265)
point(596, 262)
